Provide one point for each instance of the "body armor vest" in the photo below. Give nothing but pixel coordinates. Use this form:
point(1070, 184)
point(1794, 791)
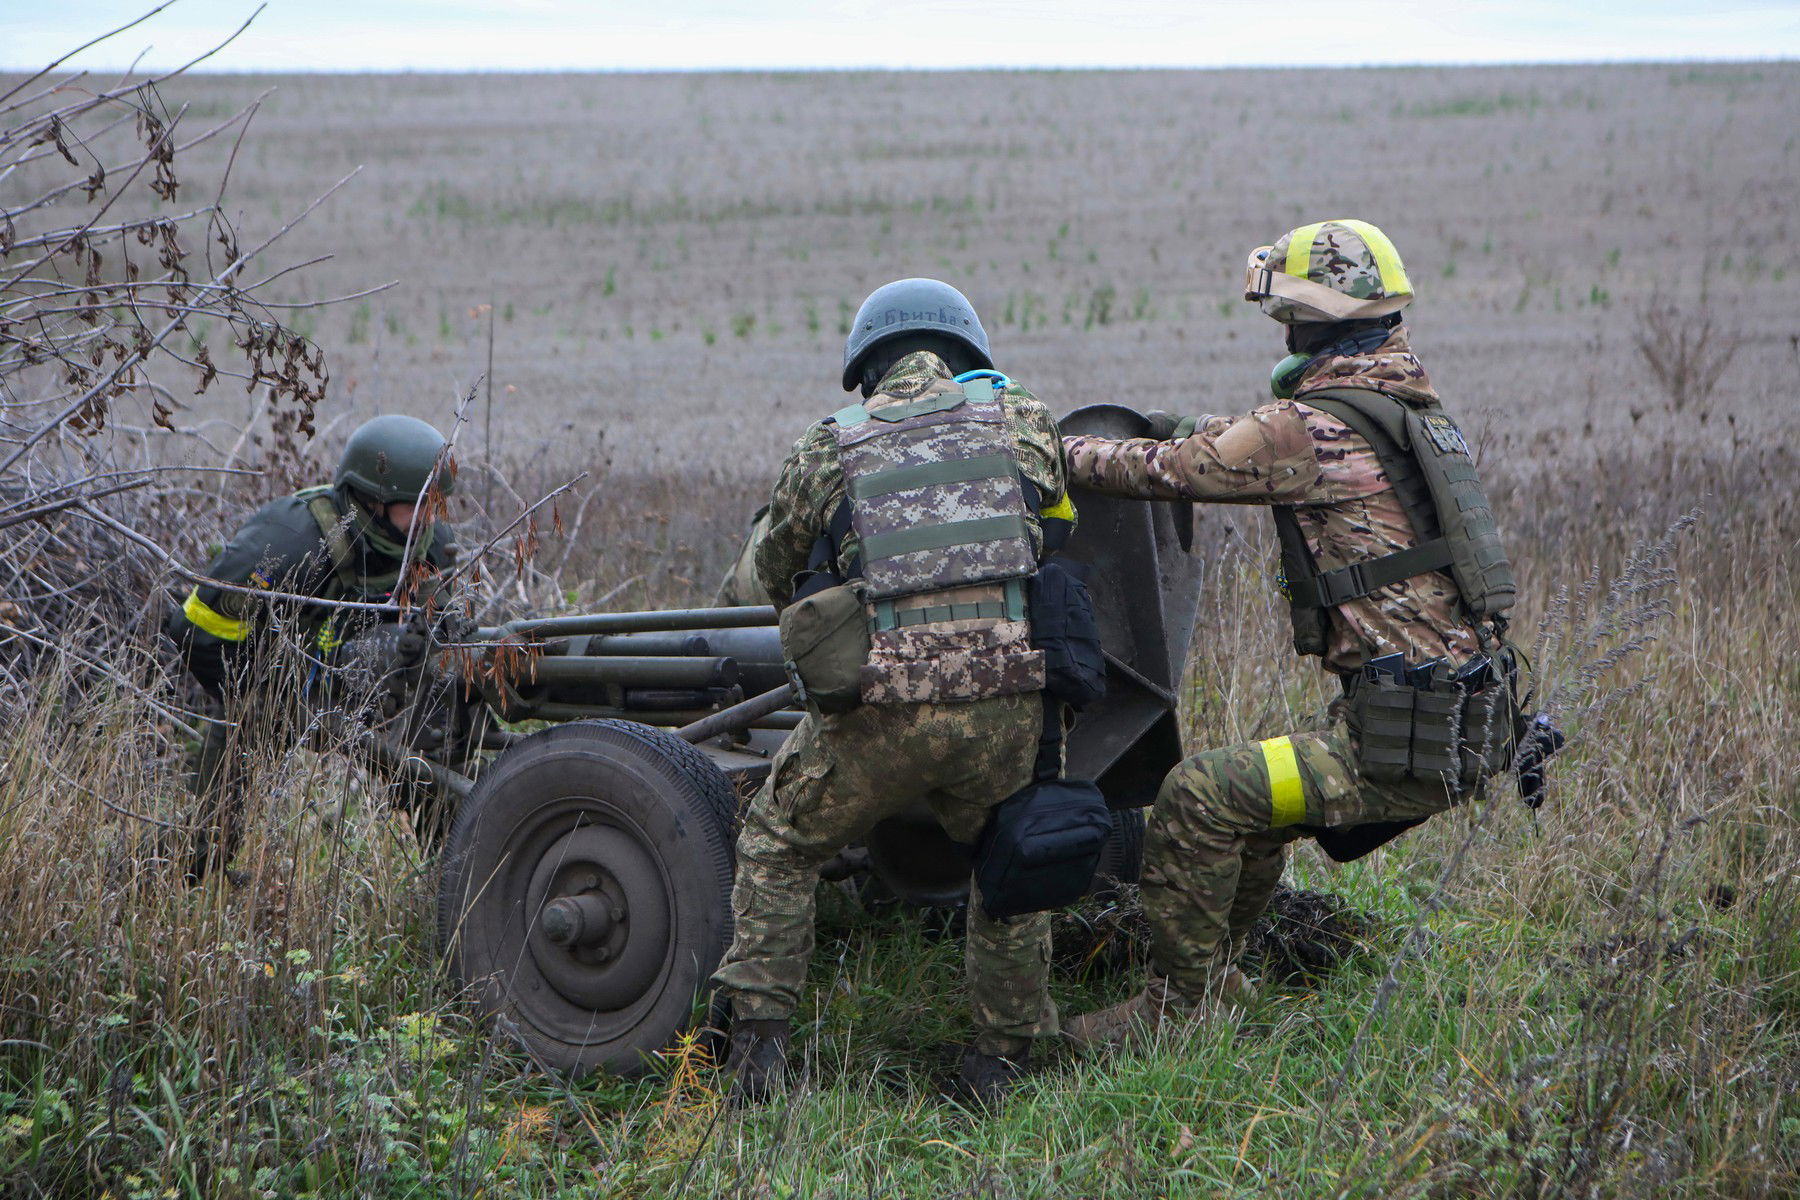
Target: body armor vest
point(944, 543)
point(347, 582)
point(1423, 454)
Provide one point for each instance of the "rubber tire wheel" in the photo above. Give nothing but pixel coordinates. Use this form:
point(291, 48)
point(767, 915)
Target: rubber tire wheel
point(658, 812)
point(1122, 858)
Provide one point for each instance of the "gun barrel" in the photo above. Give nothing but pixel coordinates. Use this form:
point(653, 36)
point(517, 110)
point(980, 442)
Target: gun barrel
point(634, 622)
point(661, 671)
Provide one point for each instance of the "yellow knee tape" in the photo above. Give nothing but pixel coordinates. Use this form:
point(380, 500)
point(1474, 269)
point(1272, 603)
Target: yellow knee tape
point(1287, 800)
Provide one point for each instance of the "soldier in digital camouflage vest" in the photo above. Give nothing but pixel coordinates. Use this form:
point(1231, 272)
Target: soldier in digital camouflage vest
point(1387, 549)
point(947, 483)
point(343, 541)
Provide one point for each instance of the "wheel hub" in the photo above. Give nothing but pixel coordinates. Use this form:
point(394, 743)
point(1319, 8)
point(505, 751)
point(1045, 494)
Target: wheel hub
point(601, 921)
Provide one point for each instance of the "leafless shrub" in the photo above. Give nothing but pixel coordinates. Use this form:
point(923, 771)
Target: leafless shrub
point(110, 280)
point(1687, 352)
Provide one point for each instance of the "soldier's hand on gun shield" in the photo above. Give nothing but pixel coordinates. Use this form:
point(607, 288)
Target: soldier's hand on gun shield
point(1165, 426)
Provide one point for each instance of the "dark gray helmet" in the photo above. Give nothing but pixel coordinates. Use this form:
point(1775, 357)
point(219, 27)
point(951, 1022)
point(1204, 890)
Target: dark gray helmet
point(912, 306)
point(389, 459)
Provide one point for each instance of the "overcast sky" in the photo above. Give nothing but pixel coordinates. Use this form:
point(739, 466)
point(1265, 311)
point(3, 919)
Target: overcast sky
point(464, 35)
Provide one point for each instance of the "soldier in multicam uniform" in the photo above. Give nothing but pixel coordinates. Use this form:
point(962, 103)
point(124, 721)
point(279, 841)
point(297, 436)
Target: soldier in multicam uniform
point(1363, 580)
point(952, 483)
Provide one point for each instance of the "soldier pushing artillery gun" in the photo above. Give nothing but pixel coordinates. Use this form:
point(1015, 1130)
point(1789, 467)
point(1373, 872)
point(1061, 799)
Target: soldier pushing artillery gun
point(588, 891)
point(588, 866)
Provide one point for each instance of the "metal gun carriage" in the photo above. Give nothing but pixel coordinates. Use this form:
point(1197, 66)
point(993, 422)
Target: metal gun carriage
point(586, 873)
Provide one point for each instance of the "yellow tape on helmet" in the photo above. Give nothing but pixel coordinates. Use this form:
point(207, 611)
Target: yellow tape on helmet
point(1387, 259)
point(1299, 251)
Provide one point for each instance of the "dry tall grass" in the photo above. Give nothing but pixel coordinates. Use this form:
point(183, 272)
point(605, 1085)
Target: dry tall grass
point(1598, 1000)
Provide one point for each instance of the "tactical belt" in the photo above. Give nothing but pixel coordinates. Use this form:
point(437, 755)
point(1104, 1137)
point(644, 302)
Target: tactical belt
point(1011, 608)
point(1330, 588)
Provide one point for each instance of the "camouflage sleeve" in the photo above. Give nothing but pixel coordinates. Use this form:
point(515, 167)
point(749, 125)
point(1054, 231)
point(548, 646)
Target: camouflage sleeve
point(1038, 444)
point(810, 486)
point(1263, 457)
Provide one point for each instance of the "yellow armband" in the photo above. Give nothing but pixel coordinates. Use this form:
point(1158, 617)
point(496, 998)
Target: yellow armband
point(213, 621)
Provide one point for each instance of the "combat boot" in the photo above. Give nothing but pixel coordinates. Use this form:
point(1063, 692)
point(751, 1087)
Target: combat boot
point(757, 1058)
point(1135, 1022)
point(985, 1079)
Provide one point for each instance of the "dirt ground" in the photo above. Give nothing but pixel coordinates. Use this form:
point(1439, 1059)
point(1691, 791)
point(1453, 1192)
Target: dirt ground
point(672, 258)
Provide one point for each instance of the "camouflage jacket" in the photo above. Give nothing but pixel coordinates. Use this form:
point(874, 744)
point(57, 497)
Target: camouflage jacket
point(811, 484)
point(1288, 453)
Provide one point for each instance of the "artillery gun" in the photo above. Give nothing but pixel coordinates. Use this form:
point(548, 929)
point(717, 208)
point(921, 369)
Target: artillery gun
point(587, 871)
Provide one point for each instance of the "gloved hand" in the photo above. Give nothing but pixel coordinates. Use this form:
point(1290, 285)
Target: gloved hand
point(411, 645)
point(427, 630)
point(1166, 426)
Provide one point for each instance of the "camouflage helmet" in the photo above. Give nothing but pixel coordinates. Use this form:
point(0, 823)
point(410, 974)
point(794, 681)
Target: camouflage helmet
point(389, 459)
point(912, 306)
point(1328, 271)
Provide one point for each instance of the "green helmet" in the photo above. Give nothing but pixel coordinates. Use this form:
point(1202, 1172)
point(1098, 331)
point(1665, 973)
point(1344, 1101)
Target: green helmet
point(912, 306)
point(1328, 271)
point(390, 458)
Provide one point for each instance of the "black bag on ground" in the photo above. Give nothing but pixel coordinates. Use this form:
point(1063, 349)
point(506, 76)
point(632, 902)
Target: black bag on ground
point(1064, 628)
point(1041, 846)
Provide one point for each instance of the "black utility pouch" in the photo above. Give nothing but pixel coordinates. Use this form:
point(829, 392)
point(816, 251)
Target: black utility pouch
point(1041, 847)
point(1064, 628)
point(1380, 716)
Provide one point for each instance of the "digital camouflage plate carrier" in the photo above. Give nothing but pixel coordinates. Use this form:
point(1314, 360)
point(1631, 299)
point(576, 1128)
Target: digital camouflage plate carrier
point(945, 546)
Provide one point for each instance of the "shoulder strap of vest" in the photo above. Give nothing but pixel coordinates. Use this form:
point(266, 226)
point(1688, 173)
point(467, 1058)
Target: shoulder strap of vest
point(332, 529)
point(1381, 421)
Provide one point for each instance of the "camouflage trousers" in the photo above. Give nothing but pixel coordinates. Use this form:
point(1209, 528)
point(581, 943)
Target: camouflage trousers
point(1218, 834)
point(834, 780)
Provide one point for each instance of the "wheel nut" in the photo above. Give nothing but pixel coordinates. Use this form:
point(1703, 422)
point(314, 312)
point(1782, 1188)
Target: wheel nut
point(577, 921)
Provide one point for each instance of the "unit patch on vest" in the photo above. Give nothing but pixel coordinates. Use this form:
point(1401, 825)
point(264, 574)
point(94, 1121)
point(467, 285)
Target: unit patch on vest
point(1444, 434)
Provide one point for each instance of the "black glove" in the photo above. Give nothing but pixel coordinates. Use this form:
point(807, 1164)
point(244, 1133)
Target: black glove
point(1163, 426)
point(1538, 741)
point(424, 631)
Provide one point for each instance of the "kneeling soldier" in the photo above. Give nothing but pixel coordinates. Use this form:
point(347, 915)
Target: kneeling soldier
point(342, 541)
point(1395, 579)
point(900, 536)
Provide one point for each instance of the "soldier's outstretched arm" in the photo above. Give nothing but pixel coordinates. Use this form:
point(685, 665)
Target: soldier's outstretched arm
point(1263, 457)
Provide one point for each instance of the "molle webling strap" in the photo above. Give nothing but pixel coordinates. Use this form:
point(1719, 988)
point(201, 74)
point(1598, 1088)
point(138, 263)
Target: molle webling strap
point(333, 528)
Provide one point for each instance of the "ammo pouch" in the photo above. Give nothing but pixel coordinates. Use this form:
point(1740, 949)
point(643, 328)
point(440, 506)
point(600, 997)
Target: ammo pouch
point(1063, 627)
point(1041, 847)
point(824, 644)
point(1450, 734)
